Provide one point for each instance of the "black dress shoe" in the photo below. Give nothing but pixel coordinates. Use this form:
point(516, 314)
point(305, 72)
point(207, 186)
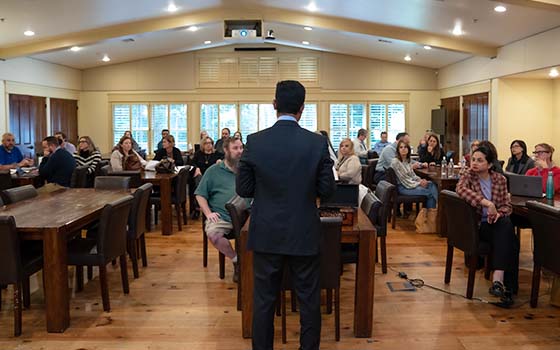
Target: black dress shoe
point(497, 289)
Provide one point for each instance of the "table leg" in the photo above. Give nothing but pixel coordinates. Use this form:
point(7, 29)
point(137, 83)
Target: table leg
point(363, 300)
point(247, 285)
point(166, 212)
point(57, 299)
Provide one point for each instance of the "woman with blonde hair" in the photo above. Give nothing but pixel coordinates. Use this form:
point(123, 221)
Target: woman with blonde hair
point(348, 166)
point(544, 164)
point(87, 154)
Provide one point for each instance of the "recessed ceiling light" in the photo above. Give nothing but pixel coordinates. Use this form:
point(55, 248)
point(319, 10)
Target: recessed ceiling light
point(75, 48)
point(192, 28)
point(553, 73)
point(305, 42)
point(427, 47)
point(307, 28)
point(500, 8)
point(407, 58)
point(311, 7)
point(208, 42)
point(457, 30)
point(105, 58)
point(172, 8)
point(29, 33)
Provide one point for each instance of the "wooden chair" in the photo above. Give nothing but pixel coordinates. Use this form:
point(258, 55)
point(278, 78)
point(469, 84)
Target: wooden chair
point(331, 230)
point(239, 213)
point(178, 198)
point(545, 220)
point(399, 199)
point(462, 234)
point(16, 267)
point(5, 180)
point(110, 242)
point(79, 177)
point(18, 194)
point(134, 175)
point(136, 239)
point(384, 192)
point(112, 183)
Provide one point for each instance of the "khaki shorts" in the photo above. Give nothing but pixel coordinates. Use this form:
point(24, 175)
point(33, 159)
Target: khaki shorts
point(220, 228)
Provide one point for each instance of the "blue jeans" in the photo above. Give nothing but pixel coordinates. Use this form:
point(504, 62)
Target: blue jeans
point(431, 193)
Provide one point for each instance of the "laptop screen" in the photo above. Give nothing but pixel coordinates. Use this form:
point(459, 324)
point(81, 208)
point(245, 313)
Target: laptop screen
point(344, 196)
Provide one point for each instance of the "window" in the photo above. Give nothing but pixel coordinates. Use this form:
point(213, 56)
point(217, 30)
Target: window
point(214, 117)
point(309, 117)
point(345, 121)
point(386, 117)
point(146, 121)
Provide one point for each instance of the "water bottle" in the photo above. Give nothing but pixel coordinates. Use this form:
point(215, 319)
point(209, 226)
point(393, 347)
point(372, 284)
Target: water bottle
point(450, 168)
point(463, 164)
point(444, 167)
point(550, 185)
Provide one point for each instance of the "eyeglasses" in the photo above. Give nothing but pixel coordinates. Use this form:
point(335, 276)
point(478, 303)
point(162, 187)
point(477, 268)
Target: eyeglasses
point(83, 141)
point(540, 152)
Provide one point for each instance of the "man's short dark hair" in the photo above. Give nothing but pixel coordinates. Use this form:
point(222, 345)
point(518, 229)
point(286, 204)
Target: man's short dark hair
point(229, 140)
point(383, 132)
point(290, 96)
point(61, 134)
point(164, 130)
point(51, 140)
point(362, 132)
point(228, 130)
point(401, 135)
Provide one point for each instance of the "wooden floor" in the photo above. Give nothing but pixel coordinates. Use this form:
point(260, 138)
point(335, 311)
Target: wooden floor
point(177, 304)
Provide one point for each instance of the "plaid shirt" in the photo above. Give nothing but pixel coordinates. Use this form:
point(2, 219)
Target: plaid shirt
point(468, 188)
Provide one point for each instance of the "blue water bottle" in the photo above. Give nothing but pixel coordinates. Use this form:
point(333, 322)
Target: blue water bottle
point(550, 185)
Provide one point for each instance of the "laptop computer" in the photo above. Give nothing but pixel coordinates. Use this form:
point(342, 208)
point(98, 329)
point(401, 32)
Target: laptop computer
point(525, 186)
point(345, 195)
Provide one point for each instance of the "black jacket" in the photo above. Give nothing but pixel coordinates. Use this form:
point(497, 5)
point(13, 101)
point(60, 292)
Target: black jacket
point(177, 156)
point(285, 168)
point(58, 167)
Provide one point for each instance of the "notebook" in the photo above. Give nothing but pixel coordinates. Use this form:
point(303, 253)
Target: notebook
point(525, 186)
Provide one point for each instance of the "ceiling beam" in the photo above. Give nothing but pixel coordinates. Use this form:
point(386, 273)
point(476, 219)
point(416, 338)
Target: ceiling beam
point(551, 5)
point(267, 14)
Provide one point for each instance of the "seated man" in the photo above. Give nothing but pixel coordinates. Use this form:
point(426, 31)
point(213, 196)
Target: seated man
point(65, 143)
point(57, 164)
point(360, 148)
point(380, 145)
point(215, 189)
point(10, 156)
point(164, 133)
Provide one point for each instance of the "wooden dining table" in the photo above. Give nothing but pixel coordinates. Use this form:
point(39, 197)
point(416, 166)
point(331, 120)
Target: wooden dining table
point(52, 218)
point(31, 178)
point(164, 182)
point(363, 233)
point(519, 203)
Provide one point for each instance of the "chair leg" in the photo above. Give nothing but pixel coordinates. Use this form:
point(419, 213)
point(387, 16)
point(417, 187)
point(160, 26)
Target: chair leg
point(394, 217)
point(90, 273)
point(535, 285)
point(383, 244)
point(155, 214)
point(487, 270)
point(179, 220)
point(293, 299)
point(329, 301)
point(473, 260)
point(124, 274)
point(222, 260)
point(448, 264)
point(79, 278)
point(337, 313)
point(184, 208)
point(17, 310)
point(104, 288)
point(143, 250)
point(114, 262)
point(132, 251)
point(26, 291)
point(283, 303)
point(278, 305)
point(204, 249)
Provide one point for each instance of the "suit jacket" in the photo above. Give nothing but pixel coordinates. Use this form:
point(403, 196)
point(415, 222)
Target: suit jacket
point(285, 168)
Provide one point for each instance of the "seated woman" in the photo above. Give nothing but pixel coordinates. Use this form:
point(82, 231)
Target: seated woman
point(238, 135)
point(519, 162)
point(169, 151)
point(473, 147)
point(432, 153)
point(408, 182)
point(205, 157)
point(125, 158)
point(486, 190)
point(544, 164)
point(348, 166)
point(87, 155)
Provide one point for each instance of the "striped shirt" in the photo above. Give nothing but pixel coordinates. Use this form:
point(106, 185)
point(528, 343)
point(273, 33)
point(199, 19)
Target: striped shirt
point(88, 159)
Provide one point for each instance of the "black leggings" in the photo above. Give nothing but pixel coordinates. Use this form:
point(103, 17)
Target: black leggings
point(505, 248)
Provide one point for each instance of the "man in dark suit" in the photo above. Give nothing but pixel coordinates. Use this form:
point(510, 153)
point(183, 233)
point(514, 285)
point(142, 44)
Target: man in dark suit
point(58, 164)
point(285, 168)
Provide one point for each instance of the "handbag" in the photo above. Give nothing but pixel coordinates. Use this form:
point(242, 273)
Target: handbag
point(426, 221)
point(165, 166)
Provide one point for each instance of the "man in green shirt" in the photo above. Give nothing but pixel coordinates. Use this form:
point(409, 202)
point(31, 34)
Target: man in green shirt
point(216, 188)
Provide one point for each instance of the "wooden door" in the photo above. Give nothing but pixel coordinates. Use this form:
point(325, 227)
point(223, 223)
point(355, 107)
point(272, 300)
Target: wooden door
point(450, 140)
point(28, 122)
point(64, 117)
point(475, 119)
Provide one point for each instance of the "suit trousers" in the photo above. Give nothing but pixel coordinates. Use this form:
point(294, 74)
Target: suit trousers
point(268, 272)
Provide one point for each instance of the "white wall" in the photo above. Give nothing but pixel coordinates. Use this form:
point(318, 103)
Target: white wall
point(536, 52)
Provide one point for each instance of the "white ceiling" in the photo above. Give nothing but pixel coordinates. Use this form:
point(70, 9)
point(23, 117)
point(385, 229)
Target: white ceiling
point(58, 17)
point(536, 74)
